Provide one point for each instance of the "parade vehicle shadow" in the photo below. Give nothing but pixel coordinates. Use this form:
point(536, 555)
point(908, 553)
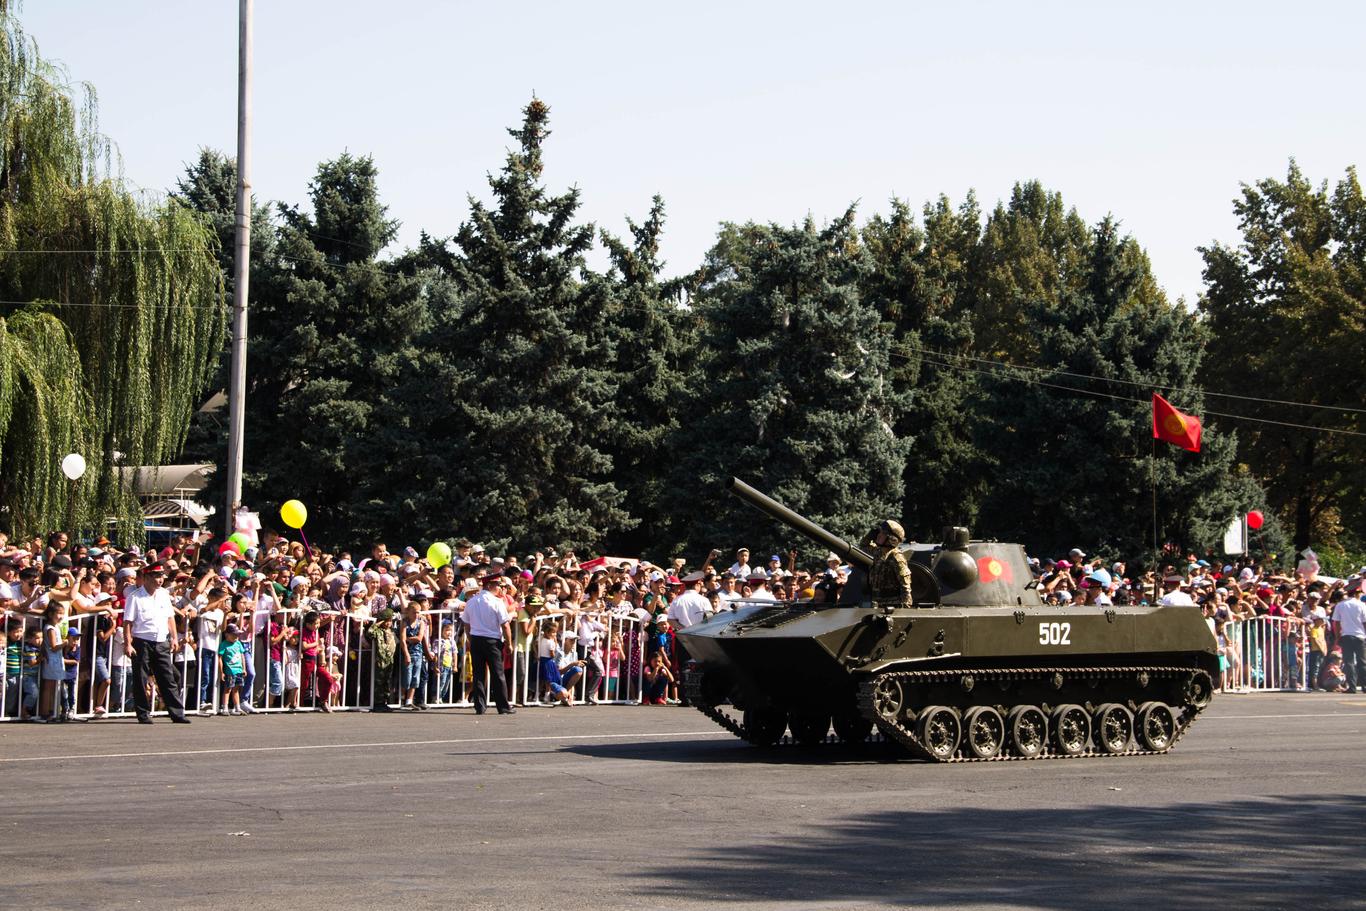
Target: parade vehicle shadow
point(1250, 853)
point(731, 751)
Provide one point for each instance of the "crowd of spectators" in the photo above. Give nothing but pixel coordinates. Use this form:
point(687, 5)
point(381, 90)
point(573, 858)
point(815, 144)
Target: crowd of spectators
point(1295, 630)
point(281, 626)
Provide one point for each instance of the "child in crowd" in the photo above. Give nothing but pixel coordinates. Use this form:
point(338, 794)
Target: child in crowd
point(53, 662)
point(548, 657)
point(314, 675)
point(14, 666)
point(71, 657)
point(1333, 678)
point(232, 662)
point(416, 651)
point(616, 656)
point(445, 662)
point(381, 633)
point(32, 671)
point(291, 665)
point(277, 632)
point(105, 625)
point(189, 649)
point(659, 681)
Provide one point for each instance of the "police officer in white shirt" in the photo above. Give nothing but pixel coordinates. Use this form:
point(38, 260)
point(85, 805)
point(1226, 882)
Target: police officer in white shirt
point(149, 638)
point(1174, 596)
point(691, 606)
point(486, 614)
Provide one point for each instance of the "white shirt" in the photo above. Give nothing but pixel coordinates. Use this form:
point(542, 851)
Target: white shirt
point(762, 594)
point(739, 570)
point(485, 615)
point(589, 630)
point(149, 614)
point(1350, 616)
point(210, 622)
point(688, 608)
point(730, 595)
point(1177, 598)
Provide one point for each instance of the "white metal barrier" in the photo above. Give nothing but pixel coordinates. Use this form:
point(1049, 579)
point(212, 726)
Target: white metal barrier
point(1265, 653)
point(615, 646)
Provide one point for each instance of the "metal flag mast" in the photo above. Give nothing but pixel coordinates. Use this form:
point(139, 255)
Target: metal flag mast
point(237, 386)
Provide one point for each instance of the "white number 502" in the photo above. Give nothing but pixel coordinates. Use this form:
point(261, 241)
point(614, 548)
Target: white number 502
point(1055, 634)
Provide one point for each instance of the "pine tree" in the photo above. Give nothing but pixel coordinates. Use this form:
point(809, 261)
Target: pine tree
point(793, 391)
point(654, 340)
point(525, 381)
point(331, 331)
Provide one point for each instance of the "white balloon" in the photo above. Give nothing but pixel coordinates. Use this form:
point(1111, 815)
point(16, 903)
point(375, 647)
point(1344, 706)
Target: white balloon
point(73, 466)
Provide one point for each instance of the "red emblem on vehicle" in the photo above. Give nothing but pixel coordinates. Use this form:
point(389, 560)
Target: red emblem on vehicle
point(989, 569)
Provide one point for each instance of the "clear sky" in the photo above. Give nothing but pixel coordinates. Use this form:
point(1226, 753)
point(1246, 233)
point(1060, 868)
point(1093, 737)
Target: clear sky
point(732, 111)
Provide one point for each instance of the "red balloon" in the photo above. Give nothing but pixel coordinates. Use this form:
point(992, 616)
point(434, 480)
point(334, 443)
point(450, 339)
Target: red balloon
point(229, 547)
point(1255, 519)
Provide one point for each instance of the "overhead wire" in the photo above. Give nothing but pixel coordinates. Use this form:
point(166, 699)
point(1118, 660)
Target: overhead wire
point(1091, 392)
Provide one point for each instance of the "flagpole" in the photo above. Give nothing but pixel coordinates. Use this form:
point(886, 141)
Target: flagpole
point(1157, 554)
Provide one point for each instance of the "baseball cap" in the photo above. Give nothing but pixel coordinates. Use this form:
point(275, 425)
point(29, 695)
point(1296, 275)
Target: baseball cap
point(386, 614)
point(358, 589)
point(232, 629)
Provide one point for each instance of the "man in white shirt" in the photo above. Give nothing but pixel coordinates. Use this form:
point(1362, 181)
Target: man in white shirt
point(150, 639)
point(486, 615)
point(758, 581)
point(691, 606)
point(1349, 619)
point(1174, 596)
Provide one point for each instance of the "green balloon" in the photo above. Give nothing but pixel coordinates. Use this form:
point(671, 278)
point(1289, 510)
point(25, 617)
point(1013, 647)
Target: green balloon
point(241, 540)
point(439, 554)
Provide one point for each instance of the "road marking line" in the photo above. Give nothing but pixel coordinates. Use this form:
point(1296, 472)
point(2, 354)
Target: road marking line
point(349, 746)
point(1294, 715)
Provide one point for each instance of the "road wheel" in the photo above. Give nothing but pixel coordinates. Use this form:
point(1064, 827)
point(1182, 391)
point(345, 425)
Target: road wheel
point(984, 732)
point(764, 727)
point(1071, 729)
point(888, 700)
point(1028, 730)
point(1155, 727)
point(1114, 726)
point(851, 727)
point(809, 728)
point(940, 730)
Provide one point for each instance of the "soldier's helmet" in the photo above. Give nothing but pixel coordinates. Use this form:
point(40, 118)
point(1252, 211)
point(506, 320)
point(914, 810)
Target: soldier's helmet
point(893, 530)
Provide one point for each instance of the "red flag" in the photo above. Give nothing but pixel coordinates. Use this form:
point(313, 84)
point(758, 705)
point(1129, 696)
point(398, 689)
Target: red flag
point(1174, 427)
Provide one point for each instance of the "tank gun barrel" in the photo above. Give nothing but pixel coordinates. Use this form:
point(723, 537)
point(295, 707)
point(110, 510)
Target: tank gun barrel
point(851, 553)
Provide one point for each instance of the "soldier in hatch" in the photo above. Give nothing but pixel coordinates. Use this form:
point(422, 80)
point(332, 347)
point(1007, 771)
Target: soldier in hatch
point(889, 578)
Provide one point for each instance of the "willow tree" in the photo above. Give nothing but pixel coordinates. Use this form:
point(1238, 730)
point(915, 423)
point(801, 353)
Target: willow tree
point(111, 306)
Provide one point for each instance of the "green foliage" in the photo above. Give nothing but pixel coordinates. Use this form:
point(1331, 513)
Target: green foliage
point(124, 315)
point(522, 373)
point(1287, 313)
point(1079, 468)
point(920, 281)
point(792, 391)
point(654, 340)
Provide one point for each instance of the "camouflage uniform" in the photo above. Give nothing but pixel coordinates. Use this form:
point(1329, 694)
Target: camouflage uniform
point(386, 645)
point(889, 578)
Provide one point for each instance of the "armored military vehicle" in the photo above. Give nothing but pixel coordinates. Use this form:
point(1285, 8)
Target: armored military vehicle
point(976, 667)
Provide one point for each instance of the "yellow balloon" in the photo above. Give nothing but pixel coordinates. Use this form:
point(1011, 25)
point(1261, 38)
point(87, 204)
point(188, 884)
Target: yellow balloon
point(294, 514)
point(439, 554)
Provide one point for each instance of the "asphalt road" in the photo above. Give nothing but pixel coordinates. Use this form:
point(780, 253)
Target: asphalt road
point(1261, 805)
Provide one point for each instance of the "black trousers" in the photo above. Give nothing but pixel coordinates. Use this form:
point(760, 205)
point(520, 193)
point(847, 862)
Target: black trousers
point(156, 658)
point(487, 656)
